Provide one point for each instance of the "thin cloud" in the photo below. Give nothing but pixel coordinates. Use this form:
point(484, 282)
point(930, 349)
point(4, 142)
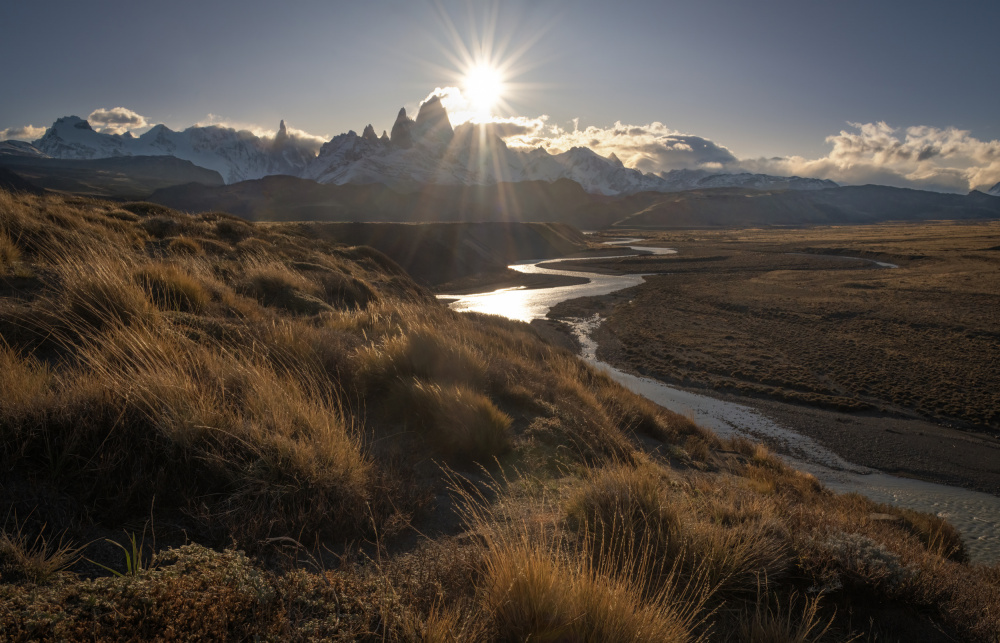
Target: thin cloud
point(25, 133)
point(649, 148)
point(300, 138)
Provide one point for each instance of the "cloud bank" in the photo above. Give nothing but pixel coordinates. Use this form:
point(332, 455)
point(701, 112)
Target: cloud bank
point(921, 157)
point(26, 133)
point(950, 159)
point(298, 138)
point(649, 148)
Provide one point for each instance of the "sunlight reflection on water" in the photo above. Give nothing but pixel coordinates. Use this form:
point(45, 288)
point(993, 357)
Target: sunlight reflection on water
point(976, 515)
point(527, 304)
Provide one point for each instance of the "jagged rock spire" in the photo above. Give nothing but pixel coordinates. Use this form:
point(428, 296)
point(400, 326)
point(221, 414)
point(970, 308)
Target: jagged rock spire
point(432, 122)
point(282, 136)
point(401, 135)
point(369, 134)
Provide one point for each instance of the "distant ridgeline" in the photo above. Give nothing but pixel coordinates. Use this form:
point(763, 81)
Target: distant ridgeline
point(426, 170)
point(436, 253)
point(418, 152)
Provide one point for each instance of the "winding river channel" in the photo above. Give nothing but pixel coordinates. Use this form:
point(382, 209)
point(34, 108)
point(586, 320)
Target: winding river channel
point(976, 515)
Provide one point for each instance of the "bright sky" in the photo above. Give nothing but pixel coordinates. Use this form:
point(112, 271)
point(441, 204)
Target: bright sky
point(906, 91)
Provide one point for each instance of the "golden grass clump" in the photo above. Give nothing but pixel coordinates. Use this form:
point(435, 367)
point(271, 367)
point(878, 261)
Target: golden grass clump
point(99, 296)
point(461, 423)
point(185, 246)
point(538, 584)
point(422, 352)
point(773, 622)
point(35, 560)
point(275, 451)
point(24, 381)
point(623, 503)
point(171, 288)
point(10, 253)
point(537, 592)
point(275, 285)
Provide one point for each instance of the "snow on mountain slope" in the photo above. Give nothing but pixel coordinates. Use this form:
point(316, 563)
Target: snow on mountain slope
point(428, 149)
point(995, 190)
point(20, 148)
point(71, 137)
point(422, 150)
point(237, 155)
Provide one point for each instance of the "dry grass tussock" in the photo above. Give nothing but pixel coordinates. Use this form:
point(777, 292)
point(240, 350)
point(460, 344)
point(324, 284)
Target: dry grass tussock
point(243, 386)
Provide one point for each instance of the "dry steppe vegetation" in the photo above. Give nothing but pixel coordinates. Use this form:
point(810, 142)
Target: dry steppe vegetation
point(782, 313)
point(217, 430)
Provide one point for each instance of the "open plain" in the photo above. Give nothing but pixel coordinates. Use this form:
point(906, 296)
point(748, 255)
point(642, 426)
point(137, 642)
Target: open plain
point(881, 363)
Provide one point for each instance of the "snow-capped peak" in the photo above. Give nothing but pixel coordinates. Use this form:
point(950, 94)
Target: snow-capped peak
point(72, 137)
point(422, 150)
point(995, 190)
point(237, 155)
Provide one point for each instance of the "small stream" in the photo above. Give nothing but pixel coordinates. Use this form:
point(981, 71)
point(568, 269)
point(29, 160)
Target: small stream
point(976, 515)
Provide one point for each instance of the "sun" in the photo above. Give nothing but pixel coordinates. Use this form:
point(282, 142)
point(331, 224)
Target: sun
point(483, 87)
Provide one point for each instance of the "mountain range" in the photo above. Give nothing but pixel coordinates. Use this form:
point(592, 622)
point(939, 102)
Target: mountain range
point(286, 198)
point(420, 151)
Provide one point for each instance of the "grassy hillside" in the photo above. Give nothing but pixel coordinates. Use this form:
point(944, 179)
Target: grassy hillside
point(287, 439)
point(130, 177)
point(436, 253)
point(862, 204)
point(286, 198)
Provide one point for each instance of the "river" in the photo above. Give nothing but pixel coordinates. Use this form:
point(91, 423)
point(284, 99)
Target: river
point(976, 515)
